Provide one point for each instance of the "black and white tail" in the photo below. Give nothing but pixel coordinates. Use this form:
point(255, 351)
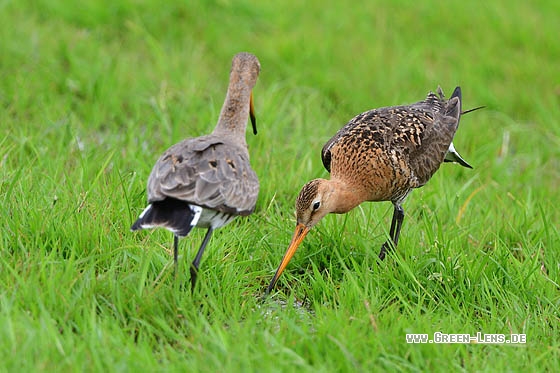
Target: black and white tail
point(177, 216)
point(452, 154)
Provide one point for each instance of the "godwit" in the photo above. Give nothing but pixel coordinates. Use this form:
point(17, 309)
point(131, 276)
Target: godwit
point(380, 155)
point(207, 181)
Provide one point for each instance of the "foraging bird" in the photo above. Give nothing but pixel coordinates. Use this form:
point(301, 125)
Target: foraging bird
point(379, 155)
point(207, 181)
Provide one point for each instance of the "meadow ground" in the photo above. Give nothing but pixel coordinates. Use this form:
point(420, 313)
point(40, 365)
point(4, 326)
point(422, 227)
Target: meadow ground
point(91, 93)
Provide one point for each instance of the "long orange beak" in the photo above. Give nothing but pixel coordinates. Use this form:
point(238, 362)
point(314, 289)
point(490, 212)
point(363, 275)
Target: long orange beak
point(299, 235)
point(252, 114)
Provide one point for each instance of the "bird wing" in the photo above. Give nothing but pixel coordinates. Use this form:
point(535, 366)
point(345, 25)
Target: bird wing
point(437, 137)
point(326, 151)
point(422, 132)
point(206, 171)
point(386, 128)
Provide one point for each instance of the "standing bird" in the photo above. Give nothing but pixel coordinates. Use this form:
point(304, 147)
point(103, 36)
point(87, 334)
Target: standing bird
point(380, 155)
point(207, 181)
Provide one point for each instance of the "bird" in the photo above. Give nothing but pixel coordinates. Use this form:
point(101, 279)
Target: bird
point(379, 155)
point(207, 181)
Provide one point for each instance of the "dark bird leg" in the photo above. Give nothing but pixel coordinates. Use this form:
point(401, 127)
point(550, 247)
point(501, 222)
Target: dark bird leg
point(196, 262)
point(394, 232)
point(176, 253)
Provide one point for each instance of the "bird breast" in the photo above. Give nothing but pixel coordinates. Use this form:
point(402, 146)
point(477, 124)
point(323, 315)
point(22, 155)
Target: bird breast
point(378, 173)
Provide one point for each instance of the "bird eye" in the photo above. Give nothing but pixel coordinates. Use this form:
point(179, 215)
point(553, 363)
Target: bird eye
point(316, 205)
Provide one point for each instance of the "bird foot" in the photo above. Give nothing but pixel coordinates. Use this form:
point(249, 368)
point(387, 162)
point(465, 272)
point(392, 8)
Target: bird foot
point(194, 274)
point(388, 245)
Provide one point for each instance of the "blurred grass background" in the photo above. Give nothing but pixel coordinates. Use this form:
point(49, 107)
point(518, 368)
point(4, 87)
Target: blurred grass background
point(91, 93)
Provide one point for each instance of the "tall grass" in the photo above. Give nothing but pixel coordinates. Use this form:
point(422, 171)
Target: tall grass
point(92, 92)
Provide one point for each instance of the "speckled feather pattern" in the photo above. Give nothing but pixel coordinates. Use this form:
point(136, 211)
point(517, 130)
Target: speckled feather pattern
point(379, 155)
point(388, 151)
point(307, 195)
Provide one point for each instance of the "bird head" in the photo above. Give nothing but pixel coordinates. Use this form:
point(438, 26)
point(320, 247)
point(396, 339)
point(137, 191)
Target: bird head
point(246, 68)
point(312, 204)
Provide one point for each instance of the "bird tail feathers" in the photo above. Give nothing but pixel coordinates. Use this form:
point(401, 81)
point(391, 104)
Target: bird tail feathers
point(172, 214)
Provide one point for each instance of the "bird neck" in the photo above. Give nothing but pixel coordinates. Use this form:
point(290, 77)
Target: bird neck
point(344, 197)
point(235, 111)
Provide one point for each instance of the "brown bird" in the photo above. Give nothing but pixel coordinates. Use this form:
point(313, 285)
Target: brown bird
point(380, 155)
point(207, 181)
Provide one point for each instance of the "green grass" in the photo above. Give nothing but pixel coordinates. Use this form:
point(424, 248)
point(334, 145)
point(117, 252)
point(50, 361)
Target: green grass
point(91, 94)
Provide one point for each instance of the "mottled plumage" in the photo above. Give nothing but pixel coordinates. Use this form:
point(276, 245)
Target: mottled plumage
point(411, 141)
point(379, 155)
point(207, 181)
